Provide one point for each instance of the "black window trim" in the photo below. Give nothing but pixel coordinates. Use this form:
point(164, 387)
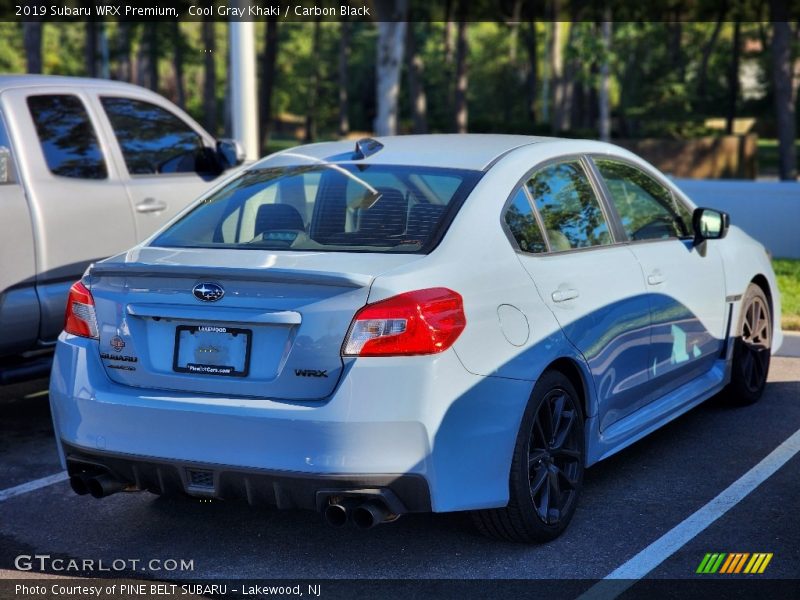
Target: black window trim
point(611, 218)
point(655, 177)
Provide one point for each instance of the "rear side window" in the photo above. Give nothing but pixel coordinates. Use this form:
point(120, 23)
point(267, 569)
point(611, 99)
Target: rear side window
point(521, 222)
point(328, 207)
point(68, 139)
point(153, 140)
point(646, 208)
point(569, 208)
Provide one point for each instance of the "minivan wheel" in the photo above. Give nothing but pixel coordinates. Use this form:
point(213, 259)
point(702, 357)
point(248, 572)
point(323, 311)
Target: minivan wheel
point(547, 467)
point(752, 348)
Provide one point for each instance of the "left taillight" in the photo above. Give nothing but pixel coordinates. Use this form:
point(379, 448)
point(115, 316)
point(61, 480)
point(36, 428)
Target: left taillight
point(420, 322)
point(80, 318)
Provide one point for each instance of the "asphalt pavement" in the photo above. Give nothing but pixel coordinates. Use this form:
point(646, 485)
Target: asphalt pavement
point(629, 502)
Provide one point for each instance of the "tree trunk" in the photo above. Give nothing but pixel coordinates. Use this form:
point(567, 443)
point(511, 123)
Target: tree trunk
point(782, 83)
point(123, 71)
point(391, 40)
point(702, 74)
point(567, 86)
point(416, 84)
point(152, 60)
point(529, 34)
point(32, 40)
point(462, 80)
point(603, 100)
point(313, 86)
point(91, 48)
point(180, 89)
point(556, 75)
point(733, 78)
point(344, 56)
point(209, 77)
point(268, 81)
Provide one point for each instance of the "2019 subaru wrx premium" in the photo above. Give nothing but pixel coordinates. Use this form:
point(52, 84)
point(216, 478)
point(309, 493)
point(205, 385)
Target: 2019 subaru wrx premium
point(422, 323)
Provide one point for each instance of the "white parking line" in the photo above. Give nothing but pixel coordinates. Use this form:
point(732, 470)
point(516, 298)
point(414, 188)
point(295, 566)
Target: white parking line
point(627, 574)
point(36, 484)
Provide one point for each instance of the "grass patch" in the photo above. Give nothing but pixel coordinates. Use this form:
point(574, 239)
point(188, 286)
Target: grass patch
point(788, 274)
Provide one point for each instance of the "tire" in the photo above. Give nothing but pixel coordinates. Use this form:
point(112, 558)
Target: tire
point(751, 349)
point(556, 468)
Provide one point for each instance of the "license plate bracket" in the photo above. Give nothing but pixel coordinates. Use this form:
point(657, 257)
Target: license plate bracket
point(212, 350)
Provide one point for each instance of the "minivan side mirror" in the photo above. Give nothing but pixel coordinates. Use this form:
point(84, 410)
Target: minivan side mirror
point(231, 152)
point(709, 224)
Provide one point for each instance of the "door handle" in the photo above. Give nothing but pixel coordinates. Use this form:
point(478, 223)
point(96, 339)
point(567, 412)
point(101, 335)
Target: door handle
point(150, 205)
point(656, 278)
point(564, 295)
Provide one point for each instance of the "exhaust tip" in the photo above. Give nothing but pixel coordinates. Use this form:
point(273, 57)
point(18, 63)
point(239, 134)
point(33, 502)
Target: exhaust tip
point(336, 515)
point(78, 484)
point(104, 485)
point(370, 514)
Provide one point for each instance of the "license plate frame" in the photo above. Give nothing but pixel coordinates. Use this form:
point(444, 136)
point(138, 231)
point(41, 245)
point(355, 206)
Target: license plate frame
point(212, 332)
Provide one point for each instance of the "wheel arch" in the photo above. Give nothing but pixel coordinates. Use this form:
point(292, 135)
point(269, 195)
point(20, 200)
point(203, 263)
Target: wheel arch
point(570, 368)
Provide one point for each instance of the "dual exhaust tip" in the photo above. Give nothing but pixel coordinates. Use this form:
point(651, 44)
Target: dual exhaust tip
point(99, 486)
point(364, 515)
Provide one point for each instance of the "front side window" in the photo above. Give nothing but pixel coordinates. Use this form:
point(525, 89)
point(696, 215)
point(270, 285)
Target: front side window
point(68, 139)
point(522, 224)
point(153, 140)
point(569, 208)
point(646, 208)
point(326, 207)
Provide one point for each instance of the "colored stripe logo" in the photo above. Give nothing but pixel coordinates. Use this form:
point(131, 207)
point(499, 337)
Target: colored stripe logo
point(734, 562)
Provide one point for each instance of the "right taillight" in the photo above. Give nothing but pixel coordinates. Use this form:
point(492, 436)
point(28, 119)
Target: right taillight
point(80, 318)
point(420, 322)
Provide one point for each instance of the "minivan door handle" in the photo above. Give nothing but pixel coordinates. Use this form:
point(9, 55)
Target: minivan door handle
point(561, 295)
point(656, 278)
point(150, 205)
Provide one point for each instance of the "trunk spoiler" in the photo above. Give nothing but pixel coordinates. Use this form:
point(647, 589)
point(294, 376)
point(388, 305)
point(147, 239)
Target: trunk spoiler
point(267, 274)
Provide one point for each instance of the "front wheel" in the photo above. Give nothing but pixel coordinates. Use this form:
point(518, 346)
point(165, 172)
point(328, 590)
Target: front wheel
point(752, 348)
point(547, 468)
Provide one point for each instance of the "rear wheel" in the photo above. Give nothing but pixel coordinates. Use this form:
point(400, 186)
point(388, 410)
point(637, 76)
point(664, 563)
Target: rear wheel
point(752, 348)
point(547, 468)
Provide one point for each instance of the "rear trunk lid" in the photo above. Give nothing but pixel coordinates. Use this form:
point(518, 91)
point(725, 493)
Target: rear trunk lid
point(275, 331)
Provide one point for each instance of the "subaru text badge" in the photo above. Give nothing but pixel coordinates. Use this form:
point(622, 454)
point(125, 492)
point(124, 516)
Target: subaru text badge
point(208, 292)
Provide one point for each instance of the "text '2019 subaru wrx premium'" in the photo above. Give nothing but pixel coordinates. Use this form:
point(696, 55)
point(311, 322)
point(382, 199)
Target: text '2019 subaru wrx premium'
point(414, 324)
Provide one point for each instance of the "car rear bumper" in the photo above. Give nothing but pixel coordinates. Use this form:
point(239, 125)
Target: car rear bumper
point(412, 419)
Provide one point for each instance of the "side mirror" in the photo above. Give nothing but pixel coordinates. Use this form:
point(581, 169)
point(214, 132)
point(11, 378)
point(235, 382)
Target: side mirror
point(709, 224)
point(231, 152)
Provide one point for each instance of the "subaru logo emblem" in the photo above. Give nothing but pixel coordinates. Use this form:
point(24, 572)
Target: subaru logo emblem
point(208, 292)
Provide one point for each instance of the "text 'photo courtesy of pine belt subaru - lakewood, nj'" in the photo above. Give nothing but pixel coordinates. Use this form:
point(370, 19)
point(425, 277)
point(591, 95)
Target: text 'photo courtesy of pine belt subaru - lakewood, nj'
point(410, 324)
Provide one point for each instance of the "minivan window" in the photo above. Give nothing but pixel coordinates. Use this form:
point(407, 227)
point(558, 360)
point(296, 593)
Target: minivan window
point(569, 208)
point(67, 136)
point(522, 224)
point(646, 208)
point(153, 140)
point(326, 207)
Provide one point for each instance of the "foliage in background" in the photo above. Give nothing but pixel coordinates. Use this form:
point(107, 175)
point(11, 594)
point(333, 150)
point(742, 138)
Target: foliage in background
point(788, 274)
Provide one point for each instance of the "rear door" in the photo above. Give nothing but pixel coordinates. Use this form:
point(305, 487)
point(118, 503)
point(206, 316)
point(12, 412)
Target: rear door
point(19, 307)
point(79, 206)
point(685, 283)
point(593, 286)
point(168, 162)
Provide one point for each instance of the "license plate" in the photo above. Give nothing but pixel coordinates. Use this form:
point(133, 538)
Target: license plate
point(212, 350)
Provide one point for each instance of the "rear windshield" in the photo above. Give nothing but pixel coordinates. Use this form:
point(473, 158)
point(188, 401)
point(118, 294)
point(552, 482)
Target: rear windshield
point(327, 207)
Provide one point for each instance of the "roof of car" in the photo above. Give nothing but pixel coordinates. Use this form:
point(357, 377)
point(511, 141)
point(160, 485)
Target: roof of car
point(18, 81)
point(475, 151)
